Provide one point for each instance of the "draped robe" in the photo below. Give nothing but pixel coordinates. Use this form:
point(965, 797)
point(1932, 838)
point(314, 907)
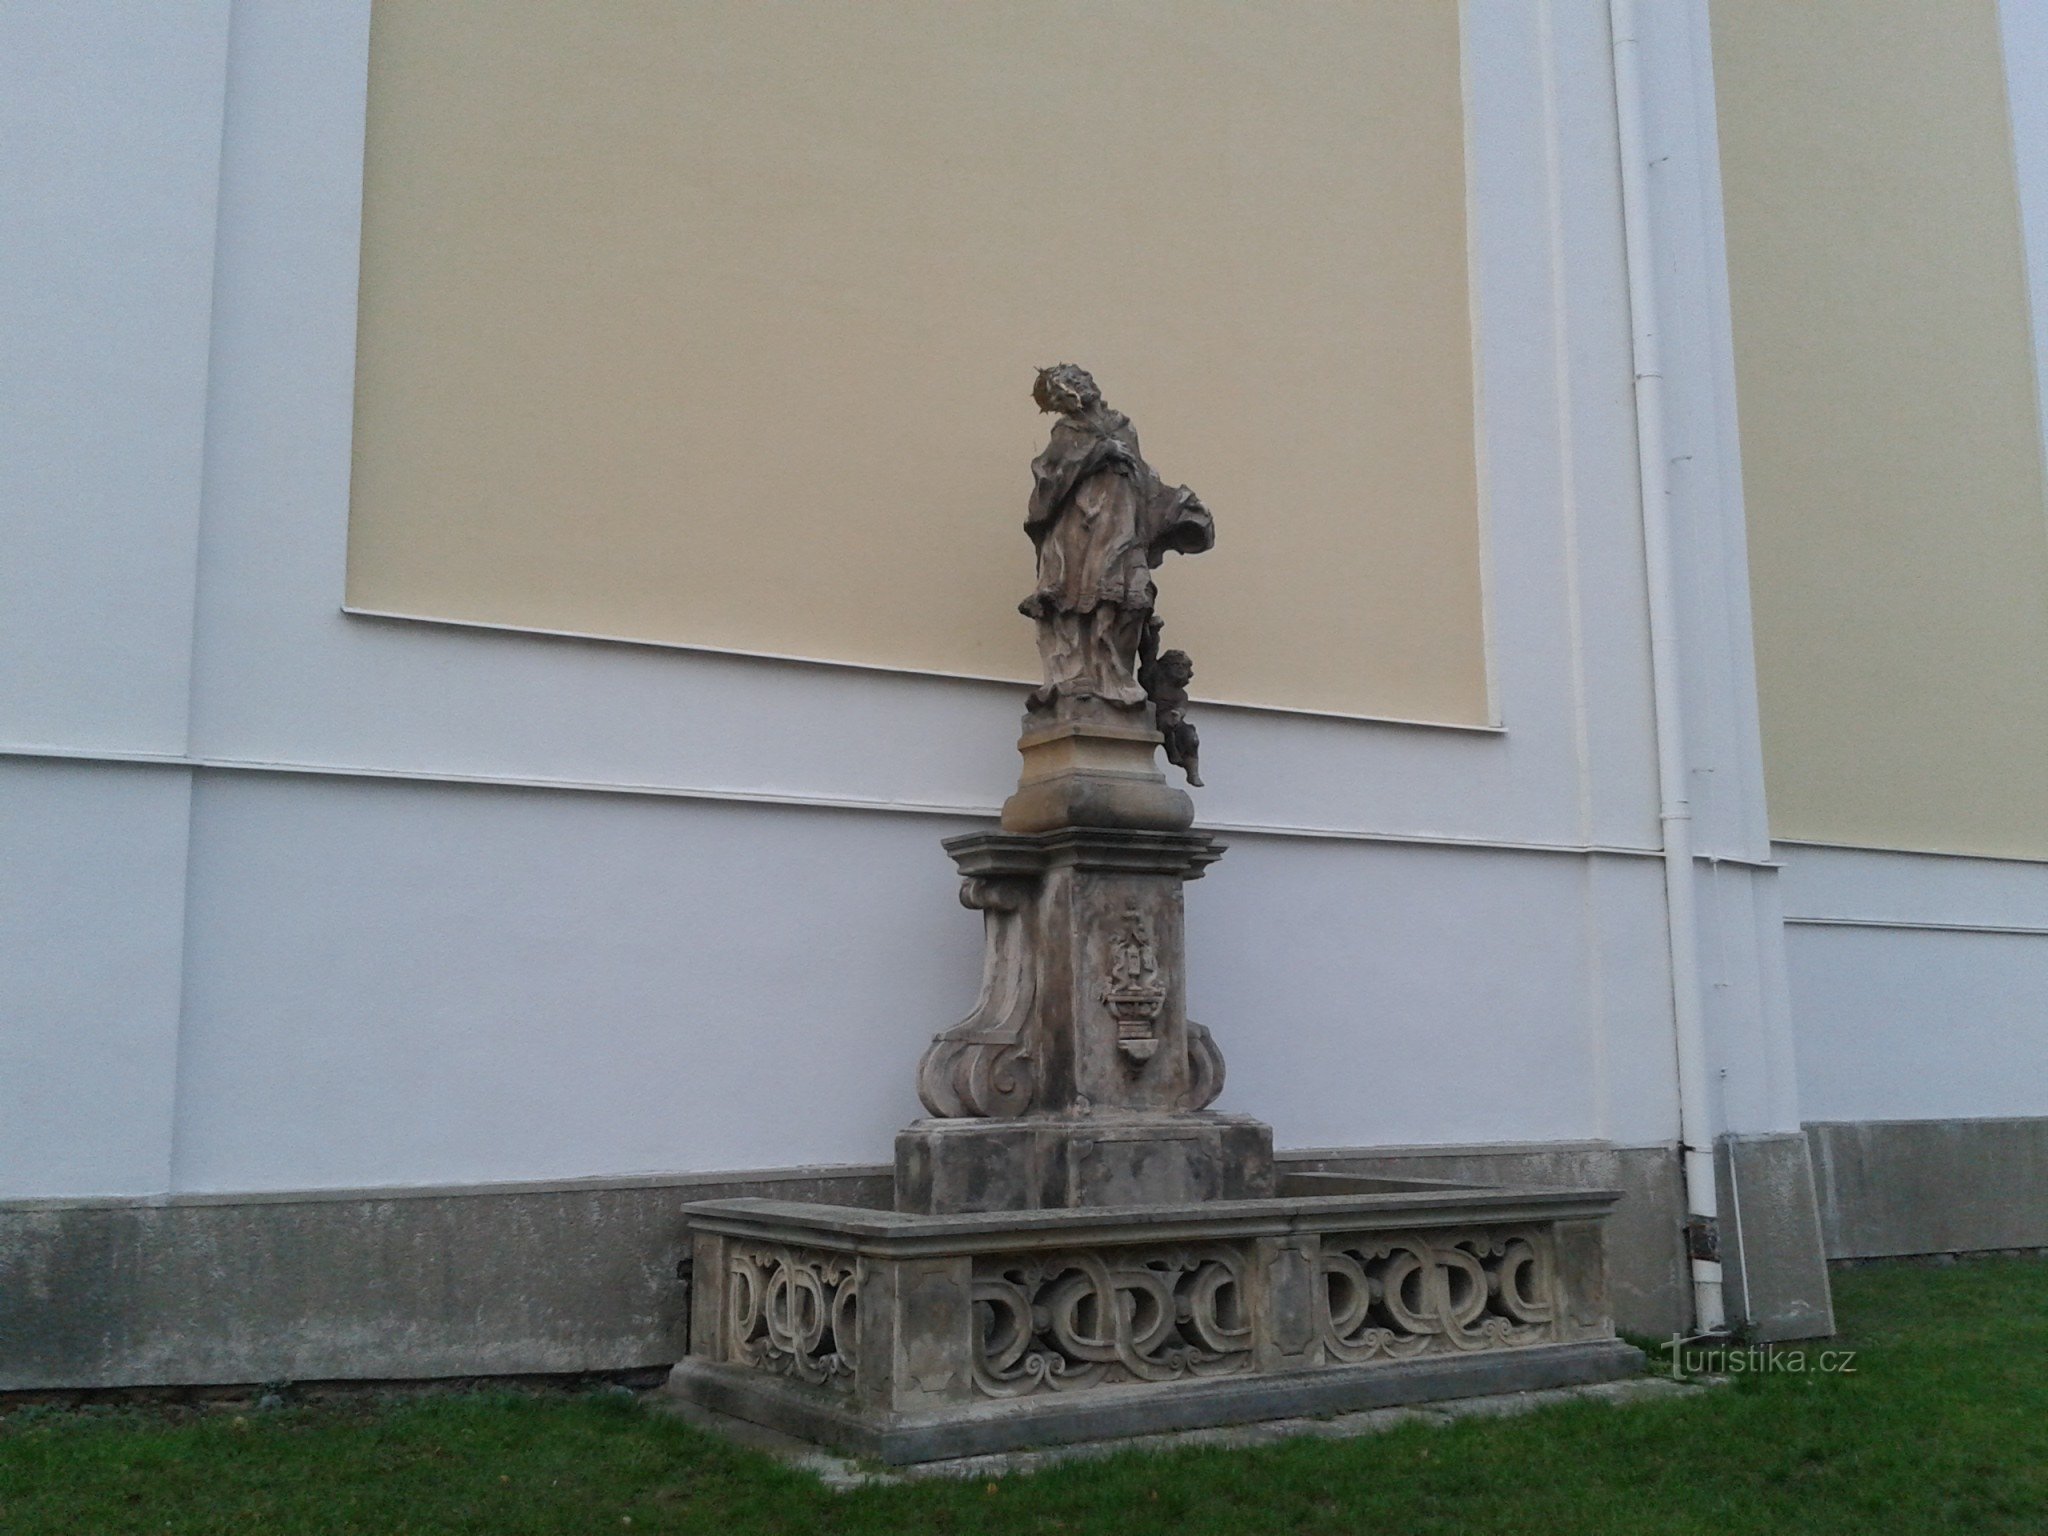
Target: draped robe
point(1102, 521)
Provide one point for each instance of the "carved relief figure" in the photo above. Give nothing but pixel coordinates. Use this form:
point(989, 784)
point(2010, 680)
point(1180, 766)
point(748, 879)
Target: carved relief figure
point(1134, 991)
point(1102, 521)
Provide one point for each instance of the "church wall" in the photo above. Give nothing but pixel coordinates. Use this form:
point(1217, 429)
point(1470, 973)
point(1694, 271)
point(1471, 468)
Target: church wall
point(284, 678)
point(1888, 237)
point(92, 895)
point(1919, 984)
point(554, 985)
point(320, 737)
point(111, 177)
point(438, 908)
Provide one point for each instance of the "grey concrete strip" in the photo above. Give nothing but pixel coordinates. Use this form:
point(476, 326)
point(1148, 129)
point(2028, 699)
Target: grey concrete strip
point(844, 1472)
point(1898, 1187)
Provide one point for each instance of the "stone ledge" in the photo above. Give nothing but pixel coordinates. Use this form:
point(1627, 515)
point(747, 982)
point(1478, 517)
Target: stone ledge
point(903, 1233)
point(543, 1276)
point(1129, 1411)
point(841, 1473)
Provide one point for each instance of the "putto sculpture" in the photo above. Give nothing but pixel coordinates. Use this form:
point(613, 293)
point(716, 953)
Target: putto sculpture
point(1165, 675)
point(1102, 521)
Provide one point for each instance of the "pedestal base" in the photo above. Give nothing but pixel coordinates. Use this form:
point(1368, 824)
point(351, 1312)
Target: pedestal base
point(1094, 773)
point(1049, 1162)
point(915, 1337)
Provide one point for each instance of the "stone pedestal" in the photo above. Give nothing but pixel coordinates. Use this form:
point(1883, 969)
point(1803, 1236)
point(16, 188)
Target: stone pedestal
point(1078, 1079)
point(1083, 1002)
point(1080, 1247)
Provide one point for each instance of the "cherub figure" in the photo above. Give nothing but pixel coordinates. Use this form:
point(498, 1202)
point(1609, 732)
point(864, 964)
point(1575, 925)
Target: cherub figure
point(1165, 676)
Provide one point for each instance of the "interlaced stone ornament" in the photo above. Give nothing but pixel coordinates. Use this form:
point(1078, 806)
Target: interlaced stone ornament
point(1398, 1296)
point(1093, 1319)
point(793, 1312)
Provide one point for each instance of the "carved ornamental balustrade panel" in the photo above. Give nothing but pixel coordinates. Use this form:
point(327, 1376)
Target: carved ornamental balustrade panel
point(1065, 1321)
point(1393, 1296)
point(793, 1311)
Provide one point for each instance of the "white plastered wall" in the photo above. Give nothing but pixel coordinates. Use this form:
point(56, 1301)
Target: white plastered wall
point(111, 122)
point(458, 907)
point(1919, 980)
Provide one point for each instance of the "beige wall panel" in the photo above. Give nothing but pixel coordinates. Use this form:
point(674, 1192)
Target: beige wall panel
point(1890, 439)
point(714, 324)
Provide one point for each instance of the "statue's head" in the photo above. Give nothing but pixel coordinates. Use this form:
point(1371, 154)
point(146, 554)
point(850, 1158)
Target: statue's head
point(1176, 668)
point(1065, 389)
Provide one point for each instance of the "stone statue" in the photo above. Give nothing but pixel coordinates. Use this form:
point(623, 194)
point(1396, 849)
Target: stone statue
point(1165, 675)
point(1080, 1243)
point(1102, 521)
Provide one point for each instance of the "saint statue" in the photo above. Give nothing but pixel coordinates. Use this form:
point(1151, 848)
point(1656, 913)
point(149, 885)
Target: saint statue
point(1102, 522)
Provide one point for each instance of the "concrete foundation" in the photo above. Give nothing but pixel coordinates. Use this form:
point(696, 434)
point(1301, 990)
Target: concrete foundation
point(1895, 1187)
point(360, 1284)
point(582, 1276)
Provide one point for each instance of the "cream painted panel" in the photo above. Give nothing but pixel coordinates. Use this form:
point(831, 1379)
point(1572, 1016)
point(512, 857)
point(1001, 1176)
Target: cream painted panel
point(1891, 447)
point(713, 324)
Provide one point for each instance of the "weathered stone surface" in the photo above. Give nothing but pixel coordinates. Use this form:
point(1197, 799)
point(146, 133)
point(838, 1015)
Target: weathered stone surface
point(1047, 1162)
point(1775, 1275)
point(843, 1473)
point(1080, 774)
point(1033, 1327)
point(1083, 1004)
point(1647, 1270)
point(1078, 1079)
point(361, 1284)
point(902, 1440)
point(1894, 1187)
point(1101, 521)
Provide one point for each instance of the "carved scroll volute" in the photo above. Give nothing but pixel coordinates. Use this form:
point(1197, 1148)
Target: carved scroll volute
point(986, 1066)
point(1205, 1069)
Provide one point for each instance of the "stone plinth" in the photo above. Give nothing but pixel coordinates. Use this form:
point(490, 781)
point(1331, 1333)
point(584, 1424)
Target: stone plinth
point(915, 1337)
point(1049, 1162)
point(1078, 1079)
point(1093, 773)
point(1083, 1002)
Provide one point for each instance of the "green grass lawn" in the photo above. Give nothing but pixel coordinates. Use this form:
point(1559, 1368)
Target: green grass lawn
point(1943, 1426)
